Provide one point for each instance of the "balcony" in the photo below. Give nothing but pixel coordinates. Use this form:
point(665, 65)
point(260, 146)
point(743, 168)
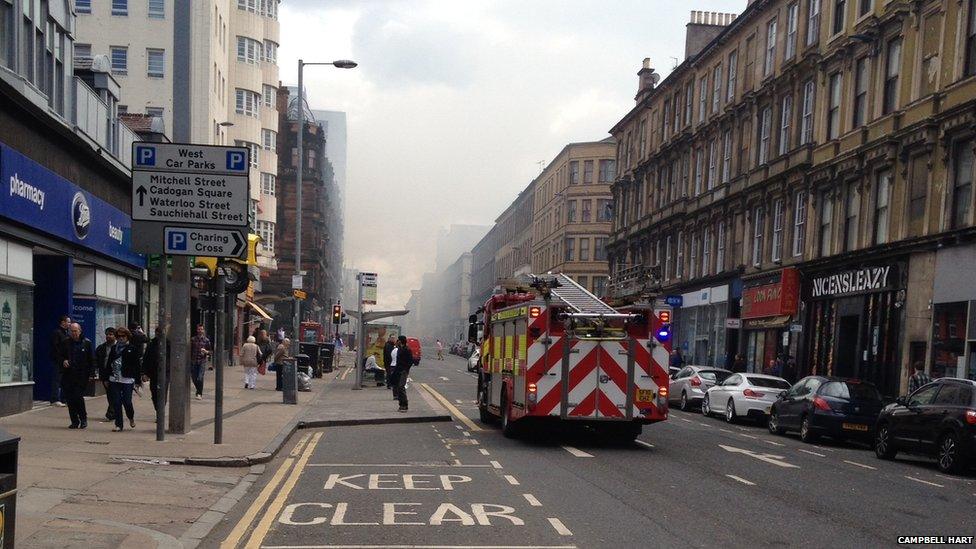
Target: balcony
point(98, 121)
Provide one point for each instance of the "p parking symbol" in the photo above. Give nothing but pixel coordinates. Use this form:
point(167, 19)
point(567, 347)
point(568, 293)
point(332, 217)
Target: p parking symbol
point(145, 156)
point(236, 161)
point(176, 241)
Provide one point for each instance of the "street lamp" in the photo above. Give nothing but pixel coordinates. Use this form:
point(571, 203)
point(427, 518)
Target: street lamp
point(339, 64)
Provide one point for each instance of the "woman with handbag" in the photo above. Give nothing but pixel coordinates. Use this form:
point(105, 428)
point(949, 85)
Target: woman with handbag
point(126, 368)
point(250, 353)
point(280, 353)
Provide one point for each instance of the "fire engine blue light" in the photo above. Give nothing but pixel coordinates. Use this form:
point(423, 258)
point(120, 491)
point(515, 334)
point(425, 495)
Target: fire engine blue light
point(664, 332)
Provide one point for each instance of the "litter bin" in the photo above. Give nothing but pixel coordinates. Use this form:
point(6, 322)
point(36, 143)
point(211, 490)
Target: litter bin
point(303, 363)
point(327, 356)
point(8, 488)
point(312, 350)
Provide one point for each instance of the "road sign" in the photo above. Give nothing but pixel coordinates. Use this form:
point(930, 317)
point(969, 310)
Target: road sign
point(188, 158)
point(733, 323)
point(296, 282)
point(201, 199)
point(367, 279)
point(299, 294)
point(205, 242)
point(369, 295)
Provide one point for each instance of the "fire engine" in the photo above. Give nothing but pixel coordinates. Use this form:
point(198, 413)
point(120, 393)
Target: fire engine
point(552, 351)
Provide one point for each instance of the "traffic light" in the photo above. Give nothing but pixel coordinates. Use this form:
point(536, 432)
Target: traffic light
point(336, 314)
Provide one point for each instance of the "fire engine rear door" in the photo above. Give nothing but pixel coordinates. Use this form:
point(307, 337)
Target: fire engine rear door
point(597, 380)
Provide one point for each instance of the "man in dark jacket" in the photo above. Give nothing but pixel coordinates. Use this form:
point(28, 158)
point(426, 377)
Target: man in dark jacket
point(58, 338)
point(404, 361)
point(150, 366)
point(388, 360)
point(126, 365)
point(105, 369)
point(77, 366)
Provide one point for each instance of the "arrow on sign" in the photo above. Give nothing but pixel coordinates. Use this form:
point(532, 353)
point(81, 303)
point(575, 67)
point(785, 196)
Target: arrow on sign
point(768, 458)
point(240, 244)
point(141, 191)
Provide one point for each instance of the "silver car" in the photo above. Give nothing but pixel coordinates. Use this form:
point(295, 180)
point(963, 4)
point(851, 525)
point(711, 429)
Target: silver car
point(744, 395)
point(688, 386)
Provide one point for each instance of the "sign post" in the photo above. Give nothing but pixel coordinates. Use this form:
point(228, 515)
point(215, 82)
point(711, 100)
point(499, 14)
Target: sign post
point(367, 296)
point(191, 200)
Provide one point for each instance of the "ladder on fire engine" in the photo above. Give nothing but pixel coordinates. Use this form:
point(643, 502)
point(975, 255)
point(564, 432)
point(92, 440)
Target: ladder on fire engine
point(579, 299)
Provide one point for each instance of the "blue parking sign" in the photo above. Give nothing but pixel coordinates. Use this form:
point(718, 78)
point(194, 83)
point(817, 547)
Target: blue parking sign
point(145, 155)
point(176, 241)
point(236, 161)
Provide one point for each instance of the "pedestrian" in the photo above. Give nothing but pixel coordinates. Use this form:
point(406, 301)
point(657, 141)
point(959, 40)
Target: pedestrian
point(371, 365)
point(440, 350)
point(281, 334)
point(919, 378)
point(404, 360)
point(105, 370)
point(250, 358)
point(677, 361)
point(150, 367)
point(200, 350)
point(281, 353)
point(126, 369)
point(393, 375)
point(778, 366)
point(58, 338)
point(77, 367)
point(739, 364)
point(266, 347)
point(338, 345)
point(388, 358)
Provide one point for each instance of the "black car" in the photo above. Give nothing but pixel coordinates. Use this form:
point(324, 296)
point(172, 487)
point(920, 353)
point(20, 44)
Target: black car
point(835, 407)
point(938, 419)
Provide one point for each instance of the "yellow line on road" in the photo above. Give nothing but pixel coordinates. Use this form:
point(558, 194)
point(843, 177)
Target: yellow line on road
point(238, 532)
point(344, 374)
point(452, 408)
point(261, 530)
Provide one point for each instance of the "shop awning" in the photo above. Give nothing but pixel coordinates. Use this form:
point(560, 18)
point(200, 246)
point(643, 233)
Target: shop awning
point(257, 309)
point(770, 322)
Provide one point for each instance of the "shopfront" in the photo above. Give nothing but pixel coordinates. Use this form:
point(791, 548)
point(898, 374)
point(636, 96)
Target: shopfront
point(62, 251)
point(853, 323)
point(769, 308)
point(700, 330)
point(954, 314)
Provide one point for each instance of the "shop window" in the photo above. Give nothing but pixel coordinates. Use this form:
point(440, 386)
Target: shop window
point(948, 338)
point(16, 333)
point(962, 184)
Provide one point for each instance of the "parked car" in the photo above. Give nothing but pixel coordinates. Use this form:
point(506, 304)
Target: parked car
point(744, 395)
point(835, 407)
point(474, 359)
point(688, 386)
point(938, 419)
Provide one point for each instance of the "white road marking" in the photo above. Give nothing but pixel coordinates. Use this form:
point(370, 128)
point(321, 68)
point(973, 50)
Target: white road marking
point(483, 451)
point(465, 433)
point(704, 424)
point(576, 452)
point(459, 428)
point(559, 527)
point(512, 480)
point(824, 448)
point(747, 436)
point(742, 480)
point(768, 458)
point(683, 419)
point(644, 444)
point(532, 500)
point(811, 453)
point(860, 465)
point(726, 431)
point(453, 454)
point(924, 482)
point(459, 401)
point(772, 442)
point(495, 464)
point(444, 379)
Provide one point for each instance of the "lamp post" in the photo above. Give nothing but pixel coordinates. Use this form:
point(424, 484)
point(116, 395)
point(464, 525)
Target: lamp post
point(300, 171)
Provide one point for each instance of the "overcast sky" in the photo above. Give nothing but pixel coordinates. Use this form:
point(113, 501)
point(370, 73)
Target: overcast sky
point(455, 102)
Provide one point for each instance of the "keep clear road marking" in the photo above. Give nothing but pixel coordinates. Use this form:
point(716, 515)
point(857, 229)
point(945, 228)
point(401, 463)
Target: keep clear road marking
point(768, 458)
point(483, 451)
point(924, 481)
point(495, 464)
point(559, 527)
point(774, 443)
point(812, 453)
point(261, 530)
point(644, 444)
point(238, 532)
point(388, 546)
point(576, 452)
point(742, 480)
point(532, 500)
point(452, 408)
point(860, 465)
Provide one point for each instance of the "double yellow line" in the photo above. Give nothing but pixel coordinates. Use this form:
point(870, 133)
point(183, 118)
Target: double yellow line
point(298, 457)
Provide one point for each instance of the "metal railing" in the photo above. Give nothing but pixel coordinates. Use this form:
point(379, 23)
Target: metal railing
point(94, 118)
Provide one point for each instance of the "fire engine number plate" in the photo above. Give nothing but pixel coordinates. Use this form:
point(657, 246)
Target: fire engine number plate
point(645, 395)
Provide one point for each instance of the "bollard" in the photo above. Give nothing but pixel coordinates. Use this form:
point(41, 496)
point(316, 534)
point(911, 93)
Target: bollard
point(289, 381)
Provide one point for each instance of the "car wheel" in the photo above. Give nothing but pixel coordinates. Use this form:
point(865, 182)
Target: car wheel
point(948, 454)
point(773, 424)
point(730, 416)
point(705, 408)
point(806, 434)
point(884, 446)
point(683, 405)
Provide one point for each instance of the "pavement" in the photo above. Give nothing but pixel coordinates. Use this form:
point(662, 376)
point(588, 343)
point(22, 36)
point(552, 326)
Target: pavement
point(689, 481)
point(98, 488)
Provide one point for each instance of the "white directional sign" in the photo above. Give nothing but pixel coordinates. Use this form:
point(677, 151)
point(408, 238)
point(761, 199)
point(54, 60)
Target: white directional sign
point(367, 279)
point(178, 157)
point(201, 199)
point(205, 242)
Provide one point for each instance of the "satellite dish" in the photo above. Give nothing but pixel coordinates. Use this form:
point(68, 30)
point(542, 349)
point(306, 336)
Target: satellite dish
point(101, 63)
point(655, 78)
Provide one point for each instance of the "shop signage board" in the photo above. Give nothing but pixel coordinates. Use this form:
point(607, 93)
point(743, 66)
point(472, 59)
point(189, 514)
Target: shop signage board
point(180, 190)
point(775, 297)
point(674, 300)
point(855, 281)
point(733, 323)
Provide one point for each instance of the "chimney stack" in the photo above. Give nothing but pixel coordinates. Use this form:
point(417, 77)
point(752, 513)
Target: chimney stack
point(647, 79)
point(703, 28)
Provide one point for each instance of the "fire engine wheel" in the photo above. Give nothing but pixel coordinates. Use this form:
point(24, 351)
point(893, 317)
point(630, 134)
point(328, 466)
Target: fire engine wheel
point(508, 429)
point(484, 414)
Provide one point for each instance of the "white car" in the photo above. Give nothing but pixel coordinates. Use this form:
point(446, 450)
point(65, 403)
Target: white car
point(744, 395)
point(474, 359)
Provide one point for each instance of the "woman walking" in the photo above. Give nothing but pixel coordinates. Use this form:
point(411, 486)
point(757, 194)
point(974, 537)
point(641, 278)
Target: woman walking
point(280, 353)
point(250, 357)
point(126, 368)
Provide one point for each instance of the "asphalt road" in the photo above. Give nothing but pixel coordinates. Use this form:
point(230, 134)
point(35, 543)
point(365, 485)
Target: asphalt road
point(689, 481)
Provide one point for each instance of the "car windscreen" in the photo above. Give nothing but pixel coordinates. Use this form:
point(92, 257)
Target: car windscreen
point(849, 391)
point(767, 382)
point(717, 376)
